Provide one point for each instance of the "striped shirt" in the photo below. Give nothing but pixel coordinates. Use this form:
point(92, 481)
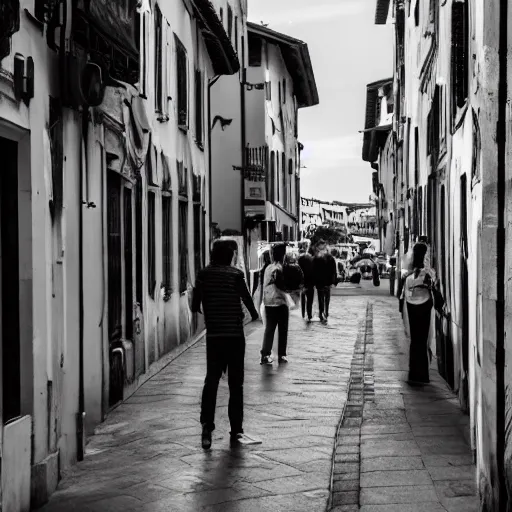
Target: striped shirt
point(221, 290)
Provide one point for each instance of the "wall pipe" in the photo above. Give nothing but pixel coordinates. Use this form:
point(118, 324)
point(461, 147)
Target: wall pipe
point(500, 249)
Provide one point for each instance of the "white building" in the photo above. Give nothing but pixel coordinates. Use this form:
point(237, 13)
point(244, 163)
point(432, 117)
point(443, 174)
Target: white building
point(104, 210)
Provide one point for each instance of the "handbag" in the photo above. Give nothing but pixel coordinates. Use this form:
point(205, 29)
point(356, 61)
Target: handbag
point(437, 298)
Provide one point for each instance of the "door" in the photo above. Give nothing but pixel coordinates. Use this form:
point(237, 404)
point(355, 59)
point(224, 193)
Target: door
point(10, 354)
point(115, 286)
point(464, 290)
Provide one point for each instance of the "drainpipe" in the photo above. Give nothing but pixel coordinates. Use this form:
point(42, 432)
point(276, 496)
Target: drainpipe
point(500, 249)
point(211, 83)
point(243, 138)
point(81, 394)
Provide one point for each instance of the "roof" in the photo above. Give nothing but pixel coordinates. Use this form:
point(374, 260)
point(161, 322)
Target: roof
point(381, 12)
point(297, 60)
point(222, 54)
point(371, 125)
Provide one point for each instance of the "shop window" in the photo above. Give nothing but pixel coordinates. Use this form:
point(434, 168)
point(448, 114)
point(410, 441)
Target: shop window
point(460, 57)
point(182, 84)
point(183, 244)
point(151, 245)
point(167, 242)
point(199, 108)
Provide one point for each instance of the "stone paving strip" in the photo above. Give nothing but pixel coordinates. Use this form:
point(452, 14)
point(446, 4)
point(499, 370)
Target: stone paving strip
point(409, 451)
point(146, 457)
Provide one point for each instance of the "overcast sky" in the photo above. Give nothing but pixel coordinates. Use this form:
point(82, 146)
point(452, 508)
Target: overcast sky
point(347, 51)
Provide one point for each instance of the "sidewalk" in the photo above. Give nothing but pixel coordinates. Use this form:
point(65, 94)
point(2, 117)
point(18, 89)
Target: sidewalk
point(410, 447)
point(147, 456)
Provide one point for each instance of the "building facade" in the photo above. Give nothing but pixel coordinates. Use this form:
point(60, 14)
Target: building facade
point(104, 210)
point(279, 82)
point(443, 174)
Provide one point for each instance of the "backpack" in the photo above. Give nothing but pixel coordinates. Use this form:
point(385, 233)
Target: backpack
point(293, 277)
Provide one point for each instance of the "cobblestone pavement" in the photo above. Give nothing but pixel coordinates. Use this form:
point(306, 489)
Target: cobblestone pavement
point(399, 448)
point(147, 457)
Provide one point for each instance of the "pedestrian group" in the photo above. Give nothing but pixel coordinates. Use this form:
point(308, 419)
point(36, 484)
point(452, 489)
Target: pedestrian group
point(219, 291)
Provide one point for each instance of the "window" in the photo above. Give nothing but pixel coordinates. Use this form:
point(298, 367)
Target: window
point(166, 242)
point(284, 90)
point(255, 49)
point(230, 22)
point(151, 245)
point(271, 179)
point(183, 244)
point(199, 108)
point(417, 13)
point(277, 180)
point(197, 238)
point(416, 156)
point(280, 95)
point(144, 53)
point(182, 84)
point(158, 60)
point(284, 174)
point(221, 15)
point(182, 179)
point(268, 90)
point(460, 43)
point(138, 242)
point(56, 137)
point(236, 34)
point(433, 10)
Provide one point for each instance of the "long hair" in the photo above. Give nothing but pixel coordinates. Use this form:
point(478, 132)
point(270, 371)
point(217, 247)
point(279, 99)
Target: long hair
point(418, 257)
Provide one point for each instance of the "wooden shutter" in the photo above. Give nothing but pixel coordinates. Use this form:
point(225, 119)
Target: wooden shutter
point(182, 84)
point(460, 43)
point(199, 107)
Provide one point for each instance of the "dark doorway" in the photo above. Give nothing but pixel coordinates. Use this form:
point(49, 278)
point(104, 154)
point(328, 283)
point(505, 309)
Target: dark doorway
point(128, 263)
point(464, 289)
point(9, 284)
point(114, 223)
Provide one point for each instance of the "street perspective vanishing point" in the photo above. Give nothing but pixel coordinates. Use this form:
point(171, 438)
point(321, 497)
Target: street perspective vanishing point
point(255, 256)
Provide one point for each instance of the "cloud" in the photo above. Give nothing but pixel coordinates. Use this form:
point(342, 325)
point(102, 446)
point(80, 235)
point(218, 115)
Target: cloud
point(310, 13)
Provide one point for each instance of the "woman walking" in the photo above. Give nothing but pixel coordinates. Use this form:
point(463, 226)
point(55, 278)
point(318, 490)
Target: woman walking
point(417, 294)
point(276, 307)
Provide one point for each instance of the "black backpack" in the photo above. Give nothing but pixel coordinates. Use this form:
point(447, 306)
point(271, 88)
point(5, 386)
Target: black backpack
point(293, 276)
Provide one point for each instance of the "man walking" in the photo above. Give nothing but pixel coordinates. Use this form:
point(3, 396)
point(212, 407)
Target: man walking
point(308, 293)
point(220, 288)
point(324, 274)
point(276, 307)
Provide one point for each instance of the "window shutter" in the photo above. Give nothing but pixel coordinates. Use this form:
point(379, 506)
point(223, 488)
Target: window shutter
point(199, 106)
point(459, 53)
point(182, 84)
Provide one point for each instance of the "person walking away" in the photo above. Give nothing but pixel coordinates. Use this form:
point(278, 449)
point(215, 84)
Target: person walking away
point(220, 289)
point(417, 295)
point(308, 293)
point(266, 263)
point(276, 307)
point(392, 276)
point(324, 274)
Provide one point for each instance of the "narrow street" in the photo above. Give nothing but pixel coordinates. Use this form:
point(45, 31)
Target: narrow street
point(409, 454)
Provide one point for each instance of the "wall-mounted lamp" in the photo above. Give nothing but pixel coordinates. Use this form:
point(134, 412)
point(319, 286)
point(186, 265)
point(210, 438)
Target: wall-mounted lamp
point(23, 78)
